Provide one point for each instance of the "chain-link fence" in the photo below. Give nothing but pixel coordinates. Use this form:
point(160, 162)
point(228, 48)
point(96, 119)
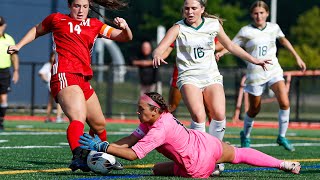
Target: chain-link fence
point(118, 91)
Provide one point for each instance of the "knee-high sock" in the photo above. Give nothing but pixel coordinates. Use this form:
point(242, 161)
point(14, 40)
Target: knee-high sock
point(102, 136)
point(255, 158)
point(198, 126)
point(283, 118)
point(247, 125)
point(217, 128)
point(3, 109)
point(74, 131)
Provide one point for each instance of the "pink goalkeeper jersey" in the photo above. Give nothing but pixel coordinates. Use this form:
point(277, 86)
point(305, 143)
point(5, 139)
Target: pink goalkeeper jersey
point(193, 152)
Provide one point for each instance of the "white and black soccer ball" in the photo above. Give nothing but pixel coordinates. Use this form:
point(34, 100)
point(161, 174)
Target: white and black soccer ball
point(100, 163)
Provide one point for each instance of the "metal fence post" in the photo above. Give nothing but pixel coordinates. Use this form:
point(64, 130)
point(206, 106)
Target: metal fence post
point(297, 84)
point(33, 65)
point(109, 92)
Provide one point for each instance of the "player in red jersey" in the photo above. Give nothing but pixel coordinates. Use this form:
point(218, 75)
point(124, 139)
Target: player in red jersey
point(74, 35)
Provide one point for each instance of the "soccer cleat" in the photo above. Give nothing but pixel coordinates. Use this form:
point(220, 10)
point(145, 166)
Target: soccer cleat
point(118, 166)
point(79, 160)
point(218, 170)
point(59, 120)
point(245, 142)
point(282, 141)
point(47, 120)
point(293, 167)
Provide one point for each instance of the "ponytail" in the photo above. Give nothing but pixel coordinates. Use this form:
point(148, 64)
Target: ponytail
point(108, 4)
point(111, 4)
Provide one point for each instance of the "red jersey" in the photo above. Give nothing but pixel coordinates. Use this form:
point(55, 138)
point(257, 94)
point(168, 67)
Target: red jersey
point(73, 42)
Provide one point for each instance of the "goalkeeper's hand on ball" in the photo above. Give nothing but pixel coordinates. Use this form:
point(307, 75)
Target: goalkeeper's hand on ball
point(95, 144)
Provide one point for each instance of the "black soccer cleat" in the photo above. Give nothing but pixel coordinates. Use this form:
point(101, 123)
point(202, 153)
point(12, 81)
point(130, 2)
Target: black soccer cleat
point(117, 166)
point(79, 160)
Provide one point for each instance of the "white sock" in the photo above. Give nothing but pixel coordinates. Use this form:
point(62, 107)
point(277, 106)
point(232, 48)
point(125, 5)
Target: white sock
point(247, 125)
point(283, 117)
point(198, 126)
point(217, 128)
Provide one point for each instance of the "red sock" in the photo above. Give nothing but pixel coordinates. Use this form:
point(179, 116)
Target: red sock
point(74, 131)
point(102, 136)
point(91, 132)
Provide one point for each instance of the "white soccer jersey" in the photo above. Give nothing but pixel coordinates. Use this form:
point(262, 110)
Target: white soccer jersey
point(195, 51)
point(261, 44)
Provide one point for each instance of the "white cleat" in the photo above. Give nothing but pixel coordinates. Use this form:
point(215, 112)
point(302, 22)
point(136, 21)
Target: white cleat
point(293, 167)
point(218, 169)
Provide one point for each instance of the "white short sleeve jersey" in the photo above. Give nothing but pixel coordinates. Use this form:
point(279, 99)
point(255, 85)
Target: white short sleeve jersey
point(195, 49)
point(261, 44)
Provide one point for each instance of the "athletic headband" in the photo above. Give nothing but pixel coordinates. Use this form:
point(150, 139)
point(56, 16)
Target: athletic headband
point(147, 99)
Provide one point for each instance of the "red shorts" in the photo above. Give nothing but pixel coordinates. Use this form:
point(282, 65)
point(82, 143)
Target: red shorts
point(174, 77)
point(62, 80)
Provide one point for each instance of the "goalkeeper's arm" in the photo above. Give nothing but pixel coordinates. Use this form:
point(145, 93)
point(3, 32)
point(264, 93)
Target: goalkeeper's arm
point(96, 144)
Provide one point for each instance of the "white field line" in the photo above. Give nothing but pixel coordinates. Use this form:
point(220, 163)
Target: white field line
point(53, 133)
point(30, 147)
point(275, 144)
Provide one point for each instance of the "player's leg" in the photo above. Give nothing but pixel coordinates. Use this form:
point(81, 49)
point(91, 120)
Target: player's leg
point(73, 104)
point(254, 96)
point(254, 109)
point(284, 113)
point(215, 102)
point(254, 157)
point(3, 109)
point(49, 108)
point(193, 99)
point(174, 93)
point(59, 114)
point(174, 98)
point(163, 169)
point(95, 117)
point(97, 122)
point(5, 83)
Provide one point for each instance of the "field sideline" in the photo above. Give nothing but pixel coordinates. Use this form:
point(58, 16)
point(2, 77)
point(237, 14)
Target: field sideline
point(31, 149)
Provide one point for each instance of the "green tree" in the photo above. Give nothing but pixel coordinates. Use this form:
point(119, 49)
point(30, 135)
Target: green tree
point(305, 35)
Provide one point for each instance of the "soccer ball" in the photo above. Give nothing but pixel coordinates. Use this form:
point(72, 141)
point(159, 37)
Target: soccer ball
point(100, 163)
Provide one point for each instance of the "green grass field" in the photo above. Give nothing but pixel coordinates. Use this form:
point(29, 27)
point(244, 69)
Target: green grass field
point(37, 150)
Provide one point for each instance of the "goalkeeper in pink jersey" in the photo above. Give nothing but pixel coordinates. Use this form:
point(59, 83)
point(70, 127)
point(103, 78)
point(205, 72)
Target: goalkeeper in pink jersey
point(193, 153)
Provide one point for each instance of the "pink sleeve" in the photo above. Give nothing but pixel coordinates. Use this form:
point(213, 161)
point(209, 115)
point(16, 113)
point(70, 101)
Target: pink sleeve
point(141, 131)
point(153, 139)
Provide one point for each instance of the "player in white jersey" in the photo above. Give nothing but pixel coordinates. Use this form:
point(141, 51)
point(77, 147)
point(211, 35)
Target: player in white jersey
point(199, 79)
point(259, 40)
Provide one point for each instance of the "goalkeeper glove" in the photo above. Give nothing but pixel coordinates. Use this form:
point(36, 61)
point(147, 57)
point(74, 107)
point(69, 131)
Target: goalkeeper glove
point(95, 144)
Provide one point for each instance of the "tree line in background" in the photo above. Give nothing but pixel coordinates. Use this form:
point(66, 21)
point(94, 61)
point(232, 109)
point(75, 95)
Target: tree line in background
point(299, 23)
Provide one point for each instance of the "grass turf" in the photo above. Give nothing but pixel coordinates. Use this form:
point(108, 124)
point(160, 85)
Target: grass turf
point(37, 150)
